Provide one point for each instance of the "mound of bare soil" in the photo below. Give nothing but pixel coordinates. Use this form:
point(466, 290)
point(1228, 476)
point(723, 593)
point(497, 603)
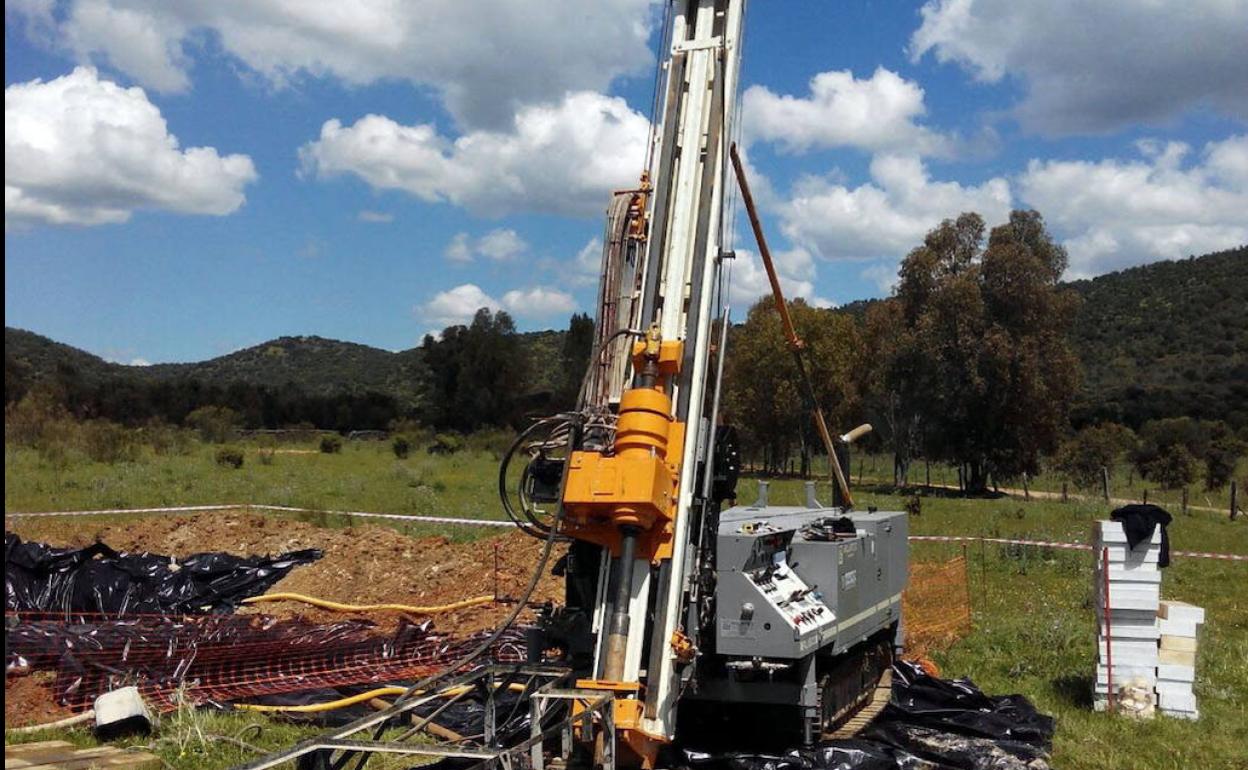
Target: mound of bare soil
point(362, 565)
point(28, 700)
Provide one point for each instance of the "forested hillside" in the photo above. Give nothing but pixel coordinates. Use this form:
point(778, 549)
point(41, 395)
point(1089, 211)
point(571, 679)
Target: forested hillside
point(1167, 339)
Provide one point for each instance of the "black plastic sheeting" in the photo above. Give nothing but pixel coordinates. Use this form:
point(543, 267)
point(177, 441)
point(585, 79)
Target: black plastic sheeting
point(929, 724)
point(97, 579)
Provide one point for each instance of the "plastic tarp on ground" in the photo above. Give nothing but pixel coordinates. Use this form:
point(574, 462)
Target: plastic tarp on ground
point(929, 724)
point(99, 580)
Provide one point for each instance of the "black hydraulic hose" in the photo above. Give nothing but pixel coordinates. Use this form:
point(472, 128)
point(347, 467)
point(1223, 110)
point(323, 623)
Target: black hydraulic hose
point(533, 527)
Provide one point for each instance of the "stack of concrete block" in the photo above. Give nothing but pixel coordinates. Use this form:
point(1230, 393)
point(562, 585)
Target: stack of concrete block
point(1127, 626)
point(1176, 661)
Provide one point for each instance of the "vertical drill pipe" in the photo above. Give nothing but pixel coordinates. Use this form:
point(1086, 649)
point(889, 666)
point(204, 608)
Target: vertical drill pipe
point(795, 343)
point(617, 631)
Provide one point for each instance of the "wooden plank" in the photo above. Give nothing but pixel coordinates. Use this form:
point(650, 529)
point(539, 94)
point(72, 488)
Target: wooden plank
point(103, 757)
point(1176, 658)
point(27, 748)
point(1180, 643)
point(53, 751)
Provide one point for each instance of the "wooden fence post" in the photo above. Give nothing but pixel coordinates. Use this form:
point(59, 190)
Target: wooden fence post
point(1105, 483)
point(1146, 495)
point(1184, 501)
point(1026, 490)
point(1065, 497)
point(1234, 500)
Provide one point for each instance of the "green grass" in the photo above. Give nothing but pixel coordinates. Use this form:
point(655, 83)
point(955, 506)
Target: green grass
point(365, 476)
point(1033, 623)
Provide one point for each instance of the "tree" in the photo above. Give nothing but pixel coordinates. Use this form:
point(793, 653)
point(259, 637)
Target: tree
point(989, 344)
point(1081, 457)
point(578, 344)
point(1171, 451)
point(477, 373)
point(1222, 456)
point(889, 379)
point(764, 395)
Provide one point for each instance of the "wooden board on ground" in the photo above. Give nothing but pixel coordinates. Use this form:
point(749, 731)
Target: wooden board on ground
point(878, 700)
point(61, 755)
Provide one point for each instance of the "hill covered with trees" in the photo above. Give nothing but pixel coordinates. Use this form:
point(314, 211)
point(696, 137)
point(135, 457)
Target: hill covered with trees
point(1168, 339)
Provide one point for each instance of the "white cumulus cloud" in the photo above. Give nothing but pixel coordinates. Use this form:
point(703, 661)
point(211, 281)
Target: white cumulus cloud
point(874, 114)
point(795, 268)
point(486, 58)
point(1097, 65)
point(85, 151)
point(460, 304)
point(563, 158)
point(538, 302)
point(457, 305)
point(886, 217)
point(1118, 213)
point(499, 245)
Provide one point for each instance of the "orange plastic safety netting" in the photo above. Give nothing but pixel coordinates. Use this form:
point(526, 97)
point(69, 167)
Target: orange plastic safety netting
point(936, 605)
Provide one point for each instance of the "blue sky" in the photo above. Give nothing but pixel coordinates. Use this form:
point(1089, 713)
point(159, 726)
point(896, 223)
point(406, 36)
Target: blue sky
point(497, 133)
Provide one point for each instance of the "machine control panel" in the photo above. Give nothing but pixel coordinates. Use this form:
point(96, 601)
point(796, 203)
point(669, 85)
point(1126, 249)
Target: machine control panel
point(792, 599)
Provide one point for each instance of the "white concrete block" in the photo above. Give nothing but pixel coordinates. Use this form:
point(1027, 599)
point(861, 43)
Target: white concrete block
point(1181, 611)
point(1173, 688)
point(1121, 558)
point(1126, 649)
point(1133, 630)
point(1137, 575)
point(1172, 627)
point(1176, 673)
point(1112, 532)
point(1176, 702)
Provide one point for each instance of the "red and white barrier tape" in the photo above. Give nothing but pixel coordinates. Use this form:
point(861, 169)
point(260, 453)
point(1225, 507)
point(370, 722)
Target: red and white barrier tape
point(1067, 546)
point(499, 523)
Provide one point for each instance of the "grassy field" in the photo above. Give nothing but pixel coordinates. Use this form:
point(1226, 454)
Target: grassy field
point(1033, 622)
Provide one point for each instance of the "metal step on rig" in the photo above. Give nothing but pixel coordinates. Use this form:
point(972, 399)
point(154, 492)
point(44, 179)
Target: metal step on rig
point(684, 612)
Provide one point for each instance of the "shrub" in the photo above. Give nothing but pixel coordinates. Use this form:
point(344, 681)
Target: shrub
point(331, 445)
point(1223, 455)
point(1081, 458)
point(401, 446)
point(229, 457)
point(446, 444)
point(108, 442)
point(216, 424)
point(165, 439)
point(26, 421)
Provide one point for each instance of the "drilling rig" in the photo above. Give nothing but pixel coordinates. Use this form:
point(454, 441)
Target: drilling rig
point(678, 598)
point(682, 608)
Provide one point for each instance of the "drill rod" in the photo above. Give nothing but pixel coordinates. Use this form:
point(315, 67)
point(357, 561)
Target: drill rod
point(790, 333)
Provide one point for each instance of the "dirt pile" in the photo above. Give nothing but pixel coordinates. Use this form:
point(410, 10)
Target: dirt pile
point(362, 565)
point(28, 700)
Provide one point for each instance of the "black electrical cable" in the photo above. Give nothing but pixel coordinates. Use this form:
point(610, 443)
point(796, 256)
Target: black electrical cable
point(481, 648)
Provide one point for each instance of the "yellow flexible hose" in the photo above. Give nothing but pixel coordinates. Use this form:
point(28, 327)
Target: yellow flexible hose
point(326, 604)
point(313, 708)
